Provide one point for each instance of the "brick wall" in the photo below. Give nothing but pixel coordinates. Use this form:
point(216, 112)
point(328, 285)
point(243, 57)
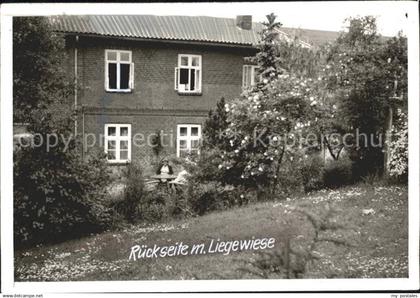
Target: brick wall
point(154, 74)
point(144, 123)
point(153, 105)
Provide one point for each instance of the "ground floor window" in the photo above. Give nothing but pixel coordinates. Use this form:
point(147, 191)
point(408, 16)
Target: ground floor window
point(118, 142)
point(188, 139)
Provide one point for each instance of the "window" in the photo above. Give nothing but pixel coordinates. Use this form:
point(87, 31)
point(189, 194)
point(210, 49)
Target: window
point(188, 74)
point(249, 75)
point(188, 139)
point(118, 142)
point(119, 71)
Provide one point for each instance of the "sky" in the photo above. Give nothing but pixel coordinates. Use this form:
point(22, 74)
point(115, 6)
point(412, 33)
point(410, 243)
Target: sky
point(326, 15)
point(391, 15)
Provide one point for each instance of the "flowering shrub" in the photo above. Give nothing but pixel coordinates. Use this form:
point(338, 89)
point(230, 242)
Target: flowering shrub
point(398, 147)
point(267, 122)
point(266, 126)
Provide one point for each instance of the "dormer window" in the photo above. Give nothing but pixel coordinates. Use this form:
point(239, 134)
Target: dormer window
point(119, 71)
point(188, 74)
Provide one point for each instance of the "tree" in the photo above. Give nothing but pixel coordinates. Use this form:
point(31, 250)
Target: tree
point(38, 75)
point(57, 195)
point(360, 72)
point(214, 126)
point(267, 122)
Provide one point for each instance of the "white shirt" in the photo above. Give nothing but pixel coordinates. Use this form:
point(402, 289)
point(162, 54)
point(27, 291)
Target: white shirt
point(164, 170)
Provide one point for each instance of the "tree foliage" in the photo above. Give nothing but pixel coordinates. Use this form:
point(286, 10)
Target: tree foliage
point(38, 75)
point(360, 72)
point(214, 127)
point(267, 121)
point(57, 195)
point(340, 89)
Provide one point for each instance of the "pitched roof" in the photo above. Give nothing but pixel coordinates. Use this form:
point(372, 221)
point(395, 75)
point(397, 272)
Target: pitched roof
point(182, 28)
point(311, 36)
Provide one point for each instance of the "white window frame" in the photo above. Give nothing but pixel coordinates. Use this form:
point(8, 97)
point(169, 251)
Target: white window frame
point(251, 69)
point(198, 79)
point(187, 138)
point(119, 62)
point(117, 138)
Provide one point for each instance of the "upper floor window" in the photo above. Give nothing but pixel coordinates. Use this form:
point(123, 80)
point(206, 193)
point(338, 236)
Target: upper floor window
point(188, 74)
point(249, 75)
point(118, 142)
point(119, 71)
point(188, 139)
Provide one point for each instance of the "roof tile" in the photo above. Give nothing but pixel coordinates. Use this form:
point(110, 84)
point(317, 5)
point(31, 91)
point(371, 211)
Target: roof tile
point(188, 28)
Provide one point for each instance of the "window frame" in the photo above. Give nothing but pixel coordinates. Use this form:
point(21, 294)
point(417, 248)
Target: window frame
point(198, 68)
point(118, 138)
point(187, 138)
point(253, 69)
point(118, 74)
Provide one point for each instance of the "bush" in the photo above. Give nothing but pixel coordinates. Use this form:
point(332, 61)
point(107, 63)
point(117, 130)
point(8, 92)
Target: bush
point(311, 171)
point(137, 204)
point(129, 206)
point(289, 180)
point(205, 197)
point(204, 167)
point(153, 206)
point(58, 196)
point(337, 173)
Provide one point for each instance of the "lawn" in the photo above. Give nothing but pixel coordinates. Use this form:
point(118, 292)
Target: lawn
point(375, 228)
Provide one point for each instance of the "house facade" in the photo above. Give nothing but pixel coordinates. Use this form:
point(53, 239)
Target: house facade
point(142, 75)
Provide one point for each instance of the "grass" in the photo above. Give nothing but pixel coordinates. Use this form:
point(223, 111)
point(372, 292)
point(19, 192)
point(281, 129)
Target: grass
point(376, 228)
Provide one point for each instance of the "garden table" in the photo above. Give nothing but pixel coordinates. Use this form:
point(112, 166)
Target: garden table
point(164, 178)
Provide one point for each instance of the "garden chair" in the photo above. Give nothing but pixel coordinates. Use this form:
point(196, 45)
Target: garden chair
point(150, 184)
point(180, 182)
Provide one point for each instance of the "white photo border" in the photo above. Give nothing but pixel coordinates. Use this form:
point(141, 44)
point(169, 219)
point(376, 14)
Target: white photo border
point(7, 253)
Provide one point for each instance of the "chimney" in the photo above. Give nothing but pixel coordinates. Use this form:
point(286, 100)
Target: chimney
point(244, 22)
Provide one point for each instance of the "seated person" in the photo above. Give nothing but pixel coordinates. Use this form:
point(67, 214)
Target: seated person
point(165, 168)
point(181, 179)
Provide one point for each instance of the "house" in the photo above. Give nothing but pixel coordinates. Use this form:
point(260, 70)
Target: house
point(143, 74)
